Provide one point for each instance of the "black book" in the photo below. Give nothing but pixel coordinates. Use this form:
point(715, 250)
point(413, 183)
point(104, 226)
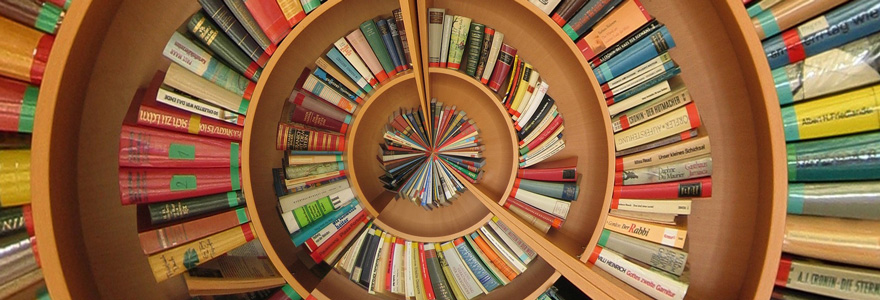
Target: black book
point(230, 25)
point(369, 260)
point(357, 270)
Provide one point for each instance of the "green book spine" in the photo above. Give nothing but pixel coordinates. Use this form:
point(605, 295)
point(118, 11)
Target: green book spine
point(308, 213)
point(852, 157)
point(310, 5)
point(208, 33)
point(460, 27)
point(474, 45)
point(565, 191)
point(853, 200)
point(11, 220)
point(179, 209)
point(371, 32)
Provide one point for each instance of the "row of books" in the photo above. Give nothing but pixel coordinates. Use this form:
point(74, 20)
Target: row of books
point(463, 268)
point(542, 195)
point(424, 160)
point(29, 28)
point(824, 60)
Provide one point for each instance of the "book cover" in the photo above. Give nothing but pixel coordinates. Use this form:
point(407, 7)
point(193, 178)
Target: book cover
point(494, 271)
point(175, 210)
point(153, 148)
point(359, 43)
point(693, 188)
point(505, 252)
point(226, 20)
point(854, 200)
point(427, 284)
point(210, 35)
point(298, 199)
point(435, 32)
point(502, 67)
point(181, 79)
point(849, 112)
point(447, 273)
point(361, 253)
point(485, 48)
point(833, 239)
point(637, 54)
point(292, 10)
point(669, 124)
point(250, 25)
point(539, 97)
point(835, 159)
point(374, 39)
point(543, 115)
point(832, 280)
point(661, 257)
point(788, 14)
point(642, 279)
point(628, 17)
point(696, 167)
point(474, 44)
point(143, 185)
point(326, 223)
point(679, 207)
point(18, 103)
point(159, 239)
point(26, 52)
point(15, 177)
point(271, 19)
point(458, 38)
point(675, 98)
point(310, 212)
point(174, 261)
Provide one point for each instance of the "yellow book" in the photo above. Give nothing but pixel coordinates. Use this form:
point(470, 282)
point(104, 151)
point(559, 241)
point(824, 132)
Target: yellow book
point(418, 284)
point(174, 261)
point(15, 177)
point(673, 236)
point(846, 113)
point(675, 122)
point(523, 86)
point(292, 10)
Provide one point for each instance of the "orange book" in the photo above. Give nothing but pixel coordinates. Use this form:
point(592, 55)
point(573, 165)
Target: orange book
point(492, 256)
point(623, 20)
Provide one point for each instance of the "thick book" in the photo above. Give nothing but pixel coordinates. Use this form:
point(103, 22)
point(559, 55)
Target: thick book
point(493, 56)
point(181, 79)
point(15, 177)
point(310, 83)
point(562, 174)
point(457, 41)
point(644, 112)
point(398, 43)
point(388, 40)
point(660, 143)
point(677, 151)
point(485, 49)
point(587, 16)
point(447, 273)
point(661, 257)
point(298, 199)
point(565, 10)
point(832, 280)
point(842, 25)
point(345, 57)
point(628, 17)
point(502, 67)
point(25, 52)
point(338, 86)
point(324, 234)
point(788, 14)
point(550, 219)
point(374, 39)
point(518, 246)
point(492, 256)
point(854, 200)
point(301, 138)
point(292, 10)
point(689, 168)
point(178, 121)
point(210, 35)
point(174, 261)
point(626, 42)
point(637, 54)
point(305, 116)
point(175, 210)
point(554, 206)
point(309, 101)
point(538, 224)
point(225, 19)
point(153, 148)
point(173, 235)
point(404, 40)
point(835, 159)
point(840, 240)
point(271, 19)
point(308, 232)
point(506, 253)
point(435, 32)
point(654, 284)
point(558, 190)
point(185, 52)
point(359, 43)
point(312, 211)
point(694, 188)
point(678, 207)
point(445, 39)
point(339, 239)
point(18, 105)
point(143, 185)
point(468, 286)
point(247, 21)
point(475, 37)
point(672, 123)
point(850, 112)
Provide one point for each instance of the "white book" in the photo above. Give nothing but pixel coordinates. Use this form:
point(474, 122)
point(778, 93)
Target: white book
point(510, 242)
point(435, 33)
point(644, 96)
point(545, 145)
point(680, 207)
point(527, 96)
point(502, 248)
point(408, 272)
point(397, 268)
point(554, 206)
point(347, 260)
point(189, 55)
point(182, 79)
point(643, 72)
point(467, 283)
point(494, 50)
point(546, 6)
point(533, 105)
point(543, 124)
point(341, 198)
point(553, 150)
point(444, 39)
point(638, 277)
point(348, 52)
point(296, 200)
point(318, 88)
point(676, 98)
point(186, 103)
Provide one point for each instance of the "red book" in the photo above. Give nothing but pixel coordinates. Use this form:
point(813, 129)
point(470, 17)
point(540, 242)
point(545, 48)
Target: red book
point(271, 19)
point(302, 138)
point(390, 269)
point(564, 174)
point(426, 279)
point(308, 117)
point(181, 121)
point(170, 236)
point(554, 221)
point(307, 100)
point(142, 185)
point(28, 214)
point(153, 148)
point(695, 188)
point(544, 134)
point(332, 242)
point(502, 67)
point(18, 103)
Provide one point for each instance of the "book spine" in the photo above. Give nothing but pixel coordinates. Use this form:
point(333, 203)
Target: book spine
point(18, 105)
point(292, 10)
point(310, 5)
point(341, 76)
point(355, 74)
point(171, 236)
point(538, 224)
point(460, 275)
point(179, 101)
point(439, 284)
point(640, 52)
point(615, 26)
point(659, 143)
point(835, 159)
point(184, 52)
point(492, 59)
point(435, 32)
point(26, 52)
point(470, 260)
point(854, 200)
point(19, 256)
point(566, 10)
point(638, 75)
point(551, 220)
point(445, 40)
point(645, 91)
point(546, 6)
point(391, 43)
point(305, 215)
point(538, 97)
point(564, 191)
point(362, 249)
point(226, 21)
point(359, 43)
point(308, 117)
point(624, 44)
point(679, 207)
point(649, 110)
point(505, 252)
point(588, 16)
point(286, 292)
point(148, 147)
point(546, 133)
point(674, 122)
point(664, 258)
point(295, 200)
point(308, 82)
point(39, 15)
point(323, 235)
point(209, 34)
point(398, 43)
point(336, 85)
point(423, 270)
point(496, 274)
point(140, 186)
point(270, 18)
point(502, 67)
point(375, 37)
point(693, 188)
point(474, 43)
point(655, 285)
point(545, 112)
point(840, 114)
point(488, 36)
point(250, 25)
point(187, 123)
point(172, 262)
point(788, 14)
point(15, 185)
point(460, 27)
point(506, 271)
point(11, 220)
point(827, 280)
point(181, 79)
point(404, 41)
point(845, 23)
point(306, 233)
point(568, 174)
point(447, 274)
point(677, 170)
point(511, 238)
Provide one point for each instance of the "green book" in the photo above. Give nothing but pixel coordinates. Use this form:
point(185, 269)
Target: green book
point(460, 27)
point(305, 215)
point(851, 157)
point(559, 190)
point(11, 220)
point(209, 34)
point(474, 45)
point(853, 200)
point(310, 5)
point(164, 212)
point(371, 32)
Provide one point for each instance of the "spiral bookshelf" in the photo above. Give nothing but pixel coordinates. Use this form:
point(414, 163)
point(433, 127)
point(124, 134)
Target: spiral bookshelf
point(107, 49)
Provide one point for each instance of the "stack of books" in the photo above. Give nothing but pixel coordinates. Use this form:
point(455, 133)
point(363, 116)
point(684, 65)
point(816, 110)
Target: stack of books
point(824, 57)
point(463, 268)
point(542, 195)
point(425, 159)
point(28, 28)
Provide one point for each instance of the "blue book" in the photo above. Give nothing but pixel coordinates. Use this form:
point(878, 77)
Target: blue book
point(637, 54)
point(643, 86)
point(307, 232)
point(842, 25)
point(559, 190)
point(337, 58)
point(336, 85)
point(473, 263)
point(385, 32)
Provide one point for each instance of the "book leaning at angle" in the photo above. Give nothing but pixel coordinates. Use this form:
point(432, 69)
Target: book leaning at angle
point(833, 280)
point(673, 236)
point(654, 284)
point(211, 36)
point(177, 260)
point(149, 185)
point(170, 211)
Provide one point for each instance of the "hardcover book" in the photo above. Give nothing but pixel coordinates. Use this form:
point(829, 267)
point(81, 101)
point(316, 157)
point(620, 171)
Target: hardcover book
point(154, 148)
point(672, 123)
point(247, 21)
point(693, 188)
point(832, 280)
point(647, 281)
point(835, 159)
point(672, 236)
point(474, 44)
point(850, 112)
point(170, 211)
point(159, 239)
point(226, 20)
point(210, 35)
point(183, 51)
point(271, 19)
point(359, 43)
point(26, 52)
point(459, 36)
point(435, 31)
point(143, 185)
point(374, 38)
point(177, 260)
point(661, 257)
point(854, 200)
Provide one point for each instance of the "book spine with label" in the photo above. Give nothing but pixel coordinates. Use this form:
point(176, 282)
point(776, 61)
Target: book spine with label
point(543, 115)
point(192, 84)
point(677, 170)
point(459, 36)
point(834, 239)
point(558, 190)
point(492, 58)
point(173, 120)
point(460, 275)
point(250, 25)
point(445, 39)
point(651, 109)
point(672, 123)
point(850, 112)
point(678, 207)
point(644, 280)
point(693, 188)
point(323, 235)
point(295, 137)
point(398, 44)
point(310, 83)
point(474, 44)
point(837, 281)
point(854, 200)
point(169, 211)
point(308, 117)
point(18, 104)
point(154, 148)
point(182, 51)
point(513, 241)
point(628, 17)
point(271, 19)
point(344, 77)
point(638, 75)
point(624, 44)
point(404, 41)
point(842, 25)
point(12, 219)
point(485, 48)
point(185, 103)
point(377, 280)
point(388, 30)
point(310, 5)
point(565, 174)
point(306, 214)
point(427, 285)
point(374, 39)
point(210, 35)
point(311, 102)
point(354, 73)
point(661, 257)
point(439, 284)
point(447, 274)
point(297, 199)
point(502, 67)
point(292, 10)
point(141, 185)
point(359, 43)
point(25, 52)
point(493, 270)
point(171, 236)
point(492, 257)
point(337, 86)
point(788, 14)
point(361, 253)
point(500, 247)
point(536, 223)
point(546, 217)
point(649, 89)
point(836, 159)
point(435, 32)
point(565, 10)
point(551, 130)
point(587, 16)
point(639, 53)
point(174, 261)
point(470, 260)
point(659, 143)
point(226, 21)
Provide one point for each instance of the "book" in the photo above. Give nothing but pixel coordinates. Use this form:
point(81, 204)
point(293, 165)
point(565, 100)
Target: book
point(174, 120)
point(174, 261)
point(502, 67)
point(458, 38)
point(693, 188)
point(359, 43)
point(309, 101)
point(562, 174)
point(43, 16)
point(270, 17)
point(493, 56)
point(359, 257)
point(404, 40)
point(832, 280)
point(672, 123)
point(546, 6)
point(310, 83)
point(292, 10)
point(558, 190)
point(181, 79)
point(644, 112)
point(840, 240)
point(374, 38)
point(323, 224)
point(435, 32)
point(310, 5)
point(538, 98)
point(554, 128)
point(839, 26)
point(18, 103)
point(301, 138)
point(304, 215)
point(652, 217)
point(184, 209)
point(543, 115)
point(12, 219)
point(232, 272)
point(210, 35)
point(308, 117)
point(447, 273)
point(439, 284)
point(15, 174)
point(506, 253)
point(445, 39)
point(651, 283)
point(377, 284)
point(625, 43)
point(661, 257)
point(524, 80)
point(638, 75)
point(637, 54)
point(470, 260)
point(343, 76)
point(660, 143)
point(519, 247)
point(225, 20)
point(18, 252)
point(565, 10)
point(397, 44)
point(340, 238)
point(145, 185)
point(854, 200)
point(788, 14)
point(22, 284)
point(492, 256)
point(679, 207)
point(26, 52)
point(834, 159)
point(474, 43)
point(337, 85)
point(626, 18)
point(584, 19)
point(241, 13)
point(756, 8)
point(343, 55)
point(645, 91)
point(538, 224)
point(159, 239)
point(845, 113)
point(554, 206)
point(286, 292)
point(176, 99)
point(153, 148)
point(488, 36)
point(460, 274)
point(688, 168)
